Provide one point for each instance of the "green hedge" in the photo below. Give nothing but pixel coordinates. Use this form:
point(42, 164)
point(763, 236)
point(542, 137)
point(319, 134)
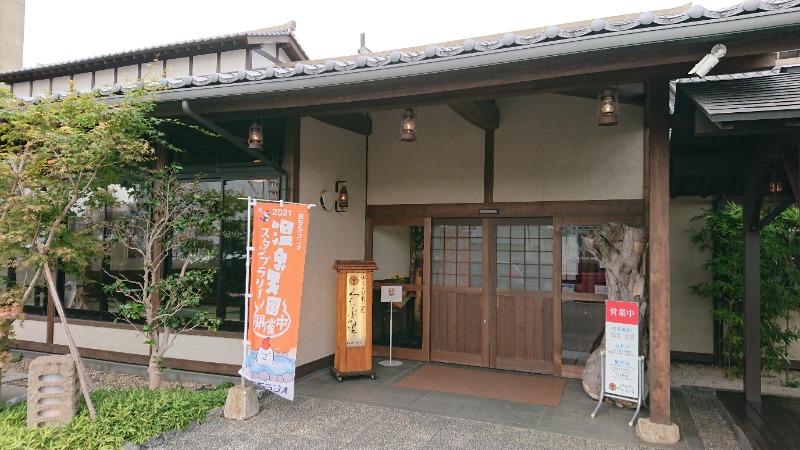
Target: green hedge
point(135, 415)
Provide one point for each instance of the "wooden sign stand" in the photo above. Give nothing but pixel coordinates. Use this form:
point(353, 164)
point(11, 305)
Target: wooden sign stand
point(353, 355)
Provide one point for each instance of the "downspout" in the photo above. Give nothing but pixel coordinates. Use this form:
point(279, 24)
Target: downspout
point(217, 129)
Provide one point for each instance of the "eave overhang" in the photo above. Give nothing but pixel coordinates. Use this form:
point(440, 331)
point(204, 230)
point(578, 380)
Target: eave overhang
point(621, 56)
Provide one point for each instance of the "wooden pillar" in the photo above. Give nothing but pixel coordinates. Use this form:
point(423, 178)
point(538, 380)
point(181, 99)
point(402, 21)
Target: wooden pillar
point(488, 167)
point(752, 288)
point(657, 122)
point(291, 158)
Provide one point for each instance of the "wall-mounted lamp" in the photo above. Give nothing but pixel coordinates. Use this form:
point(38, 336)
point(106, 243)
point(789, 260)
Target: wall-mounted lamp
point(608, 107)
point(775, 186)
point(255, 139)
point(342, 198)
point(409, 131)
point(709, 61)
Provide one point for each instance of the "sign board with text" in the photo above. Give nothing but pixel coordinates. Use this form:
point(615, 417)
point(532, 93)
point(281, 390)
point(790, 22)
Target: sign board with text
point(353, 356)
point(622, 349)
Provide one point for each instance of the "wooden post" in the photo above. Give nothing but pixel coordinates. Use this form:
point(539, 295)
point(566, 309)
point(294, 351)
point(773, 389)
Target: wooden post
point(752, 288)
point(657, 120)
point(353, 355)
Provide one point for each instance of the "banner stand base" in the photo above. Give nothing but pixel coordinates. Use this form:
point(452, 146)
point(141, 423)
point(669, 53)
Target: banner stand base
point(390, 363)
point(365, 373)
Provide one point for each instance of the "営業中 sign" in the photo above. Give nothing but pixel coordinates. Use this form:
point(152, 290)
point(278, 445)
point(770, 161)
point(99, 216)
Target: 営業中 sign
point(622, 349)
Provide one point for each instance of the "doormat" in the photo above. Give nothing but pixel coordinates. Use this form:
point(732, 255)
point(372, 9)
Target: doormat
point(533, 389)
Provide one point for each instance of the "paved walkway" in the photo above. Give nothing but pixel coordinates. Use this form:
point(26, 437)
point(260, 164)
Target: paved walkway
point(360, 413)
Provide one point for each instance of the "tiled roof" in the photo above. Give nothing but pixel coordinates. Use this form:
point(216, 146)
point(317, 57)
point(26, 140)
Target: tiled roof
point(673, 85)
point(646, 20)
point(748, 98)
point(148, 54)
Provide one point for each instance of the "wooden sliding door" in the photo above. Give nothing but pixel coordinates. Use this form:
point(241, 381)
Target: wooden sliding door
point(456, 292)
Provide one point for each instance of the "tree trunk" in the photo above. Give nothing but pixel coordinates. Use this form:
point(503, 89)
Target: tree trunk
point(623, 251)
point(154, 374)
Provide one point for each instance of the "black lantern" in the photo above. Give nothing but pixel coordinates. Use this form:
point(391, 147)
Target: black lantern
point(608, 107)
point(341, 197)
point(255, 139)
point(409, 131)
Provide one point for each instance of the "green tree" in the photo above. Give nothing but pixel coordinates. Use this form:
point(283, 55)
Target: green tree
point(165, 219)
point(58, 157)
point(721, 235)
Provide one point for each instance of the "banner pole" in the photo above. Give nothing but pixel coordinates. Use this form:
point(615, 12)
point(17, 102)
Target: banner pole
point(247, 295)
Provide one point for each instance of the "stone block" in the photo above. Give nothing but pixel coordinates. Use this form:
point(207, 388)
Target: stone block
point(656, 433)
point(53, 390)
point(242, 403)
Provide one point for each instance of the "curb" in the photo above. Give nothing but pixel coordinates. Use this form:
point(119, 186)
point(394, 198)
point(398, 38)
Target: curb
point(211, 416)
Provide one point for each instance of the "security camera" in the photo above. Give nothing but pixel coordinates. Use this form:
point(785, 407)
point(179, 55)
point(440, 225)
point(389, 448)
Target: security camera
point(709, 61)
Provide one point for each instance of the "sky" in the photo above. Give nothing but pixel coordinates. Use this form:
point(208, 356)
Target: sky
point(63, 30)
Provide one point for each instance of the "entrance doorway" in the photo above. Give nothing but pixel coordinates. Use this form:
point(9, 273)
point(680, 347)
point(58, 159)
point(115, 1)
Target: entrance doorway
point(492, 293)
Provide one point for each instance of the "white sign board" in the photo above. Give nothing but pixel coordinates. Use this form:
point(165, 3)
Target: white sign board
point(622, 349)
point(391, 294)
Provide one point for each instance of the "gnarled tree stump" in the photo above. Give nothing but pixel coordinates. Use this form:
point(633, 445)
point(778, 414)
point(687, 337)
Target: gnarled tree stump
point(623, 251)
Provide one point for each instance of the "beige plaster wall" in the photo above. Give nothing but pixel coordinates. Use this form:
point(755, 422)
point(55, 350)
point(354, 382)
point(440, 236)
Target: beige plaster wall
point(12, 33)
point(83, 81)
point(41, 86)
point(549, 147)
point(21, 89)
point(204, 64)
point(153, 70)
point(260, 62)
point(178, 67)
point(444, 164)
point(691, 317)
point(391, 250)
point(104, 77)
point(190, 347)
point(30, 330)
point(61, 84)
point(127, 74)
point(233, 60)
point(328, 154)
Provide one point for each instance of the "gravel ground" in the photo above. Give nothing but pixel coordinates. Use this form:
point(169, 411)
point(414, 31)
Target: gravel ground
point(102, 379)
point(312, 423)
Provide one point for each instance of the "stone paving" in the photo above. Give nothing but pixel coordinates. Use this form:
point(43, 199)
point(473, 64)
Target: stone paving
point(364, 413)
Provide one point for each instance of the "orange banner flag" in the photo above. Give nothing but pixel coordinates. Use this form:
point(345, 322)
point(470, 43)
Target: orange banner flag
point(277, 266)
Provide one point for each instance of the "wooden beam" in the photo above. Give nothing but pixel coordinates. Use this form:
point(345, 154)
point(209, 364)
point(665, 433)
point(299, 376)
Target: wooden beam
point(657, 123)
point(589, 208)
point(483, 114)
point(357, 123)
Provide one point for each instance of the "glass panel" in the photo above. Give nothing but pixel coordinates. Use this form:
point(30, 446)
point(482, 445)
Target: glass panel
point(580, 271)
point(475, 268)
point(532, 284)
point(462, 255)
point(399, 251)
point(503, 282)
point(518, 257)
point(520, 251)
point(475, 281)
point(402, 319)
point(582, 323)
point(503, 231)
